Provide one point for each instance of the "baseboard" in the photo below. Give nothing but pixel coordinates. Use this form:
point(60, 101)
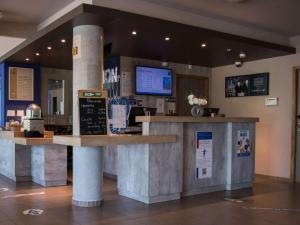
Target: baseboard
point(282, 179)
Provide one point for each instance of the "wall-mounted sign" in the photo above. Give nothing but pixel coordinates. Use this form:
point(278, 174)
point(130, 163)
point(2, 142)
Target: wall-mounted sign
point(92, 112)
point(21, 84)
point(203, 155)
point(76, 50)
point(271, 101)
point(243, 143)
point(247, 85)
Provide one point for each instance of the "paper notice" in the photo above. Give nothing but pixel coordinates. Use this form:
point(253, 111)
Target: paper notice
point(11, 113)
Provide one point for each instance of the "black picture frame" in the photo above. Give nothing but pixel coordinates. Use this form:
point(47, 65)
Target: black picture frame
point(247, 85)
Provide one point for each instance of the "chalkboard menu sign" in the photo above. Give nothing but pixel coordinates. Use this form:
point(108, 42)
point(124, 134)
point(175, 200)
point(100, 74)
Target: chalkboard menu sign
point(92, 112)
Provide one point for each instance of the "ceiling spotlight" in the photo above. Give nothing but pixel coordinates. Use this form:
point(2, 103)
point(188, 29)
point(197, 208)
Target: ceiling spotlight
point(203, 45)
point(165, 64)
point(134, 32)
point(167, 38)
point(63, 40)
point(242, 55)
point(228, 49)
point(37, 54)
point(49, 48)
point(27, 59)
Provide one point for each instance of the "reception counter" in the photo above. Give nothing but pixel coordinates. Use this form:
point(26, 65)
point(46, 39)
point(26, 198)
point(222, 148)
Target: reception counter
point(166, 172)
point(164, 162)
point(33, 159)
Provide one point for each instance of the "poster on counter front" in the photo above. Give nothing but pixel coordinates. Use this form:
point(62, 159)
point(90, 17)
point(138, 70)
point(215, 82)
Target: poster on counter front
point(203, 155)
point(243, 143)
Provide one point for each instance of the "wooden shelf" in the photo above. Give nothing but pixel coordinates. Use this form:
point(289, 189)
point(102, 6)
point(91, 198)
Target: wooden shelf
point(190, 119)
point(105, 140)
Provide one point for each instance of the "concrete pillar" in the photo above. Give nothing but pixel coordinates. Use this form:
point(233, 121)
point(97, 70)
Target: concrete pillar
point(87, 70)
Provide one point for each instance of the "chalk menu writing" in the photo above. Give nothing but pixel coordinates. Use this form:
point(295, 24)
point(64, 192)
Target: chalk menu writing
point(92, 116)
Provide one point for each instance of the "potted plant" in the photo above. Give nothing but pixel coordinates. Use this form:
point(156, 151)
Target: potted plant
point(197, 105)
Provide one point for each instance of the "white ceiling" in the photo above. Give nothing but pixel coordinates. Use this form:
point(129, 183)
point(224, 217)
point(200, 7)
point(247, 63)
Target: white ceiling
point(30, 11)
point(279, 16)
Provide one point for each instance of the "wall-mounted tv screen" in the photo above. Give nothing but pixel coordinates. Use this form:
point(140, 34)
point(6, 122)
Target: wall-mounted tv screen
point(153, 81)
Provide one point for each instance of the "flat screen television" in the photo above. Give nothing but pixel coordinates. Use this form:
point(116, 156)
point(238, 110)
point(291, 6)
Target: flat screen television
point(153, 81)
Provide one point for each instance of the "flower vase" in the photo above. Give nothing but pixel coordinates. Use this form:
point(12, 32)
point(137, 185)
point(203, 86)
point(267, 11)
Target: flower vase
point(197, 111)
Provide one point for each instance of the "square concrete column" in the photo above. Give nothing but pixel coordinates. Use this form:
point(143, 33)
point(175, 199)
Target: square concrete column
point(15, 161)
point(87, 74)
point(49, 165)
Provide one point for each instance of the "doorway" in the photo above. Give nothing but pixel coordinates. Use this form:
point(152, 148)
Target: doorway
point(187, 84)
point(295, 142)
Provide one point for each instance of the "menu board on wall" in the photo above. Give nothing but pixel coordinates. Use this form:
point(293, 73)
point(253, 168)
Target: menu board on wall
point(247, 85)
point(92, 112)
point(21, 84)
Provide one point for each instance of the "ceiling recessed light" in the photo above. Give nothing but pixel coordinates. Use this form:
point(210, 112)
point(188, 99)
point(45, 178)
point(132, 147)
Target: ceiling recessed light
point(167, 38)
point(134, 32)
point(37, 54)
point(27, 59)
point(228, 49)
point(203, 45)
point(63, 40)
point(49, 47)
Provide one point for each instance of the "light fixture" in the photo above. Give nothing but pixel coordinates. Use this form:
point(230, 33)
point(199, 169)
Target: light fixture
point(134, 32)
point(228, 49)
point(37, 54)
point(165, 64)
point(27, 59)
point(49, 48)
point(167, 38)
point(63, 40)
point(242, 55)
point(203, 45)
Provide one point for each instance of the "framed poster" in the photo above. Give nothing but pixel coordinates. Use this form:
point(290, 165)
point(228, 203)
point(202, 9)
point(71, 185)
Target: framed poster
point(21, 84)
point(247, 85)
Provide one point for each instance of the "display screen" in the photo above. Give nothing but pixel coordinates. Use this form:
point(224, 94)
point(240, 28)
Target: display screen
point(153, 81)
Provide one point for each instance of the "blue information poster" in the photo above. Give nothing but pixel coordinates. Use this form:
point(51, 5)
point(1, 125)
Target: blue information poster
point(243, 143)
point(203, 155)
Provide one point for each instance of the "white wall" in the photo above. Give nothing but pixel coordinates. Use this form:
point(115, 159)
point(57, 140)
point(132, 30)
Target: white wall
point(8, 43)
point(273, 146)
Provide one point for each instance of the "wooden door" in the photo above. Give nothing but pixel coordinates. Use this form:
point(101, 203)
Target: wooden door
point(187, 84)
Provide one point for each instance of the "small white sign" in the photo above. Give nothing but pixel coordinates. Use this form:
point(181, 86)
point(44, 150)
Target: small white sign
point(33, 212)
point(119, 116)
point(11, 113)
point(76, 51)
point(271, 101)
point(3, 189)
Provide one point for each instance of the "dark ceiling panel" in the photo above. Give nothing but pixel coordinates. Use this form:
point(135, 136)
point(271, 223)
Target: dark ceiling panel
point(184, 46)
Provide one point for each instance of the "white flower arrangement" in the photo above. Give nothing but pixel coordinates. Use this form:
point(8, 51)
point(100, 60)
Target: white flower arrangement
point(196, 101)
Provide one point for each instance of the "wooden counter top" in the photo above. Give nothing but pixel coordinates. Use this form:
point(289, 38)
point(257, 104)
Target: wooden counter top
point(190, 119)
point(105, 140)
point(33, 141)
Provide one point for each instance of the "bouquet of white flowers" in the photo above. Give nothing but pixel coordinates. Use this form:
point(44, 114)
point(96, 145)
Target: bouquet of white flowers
point(196, 101)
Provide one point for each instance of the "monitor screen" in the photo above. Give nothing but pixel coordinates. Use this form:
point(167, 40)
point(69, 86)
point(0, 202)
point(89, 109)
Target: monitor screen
point(153, 81)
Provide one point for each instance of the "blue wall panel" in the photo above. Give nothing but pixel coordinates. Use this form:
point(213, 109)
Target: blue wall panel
point(6, 104)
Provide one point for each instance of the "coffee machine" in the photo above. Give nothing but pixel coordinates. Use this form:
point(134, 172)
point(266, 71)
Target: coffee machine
point(33, 123)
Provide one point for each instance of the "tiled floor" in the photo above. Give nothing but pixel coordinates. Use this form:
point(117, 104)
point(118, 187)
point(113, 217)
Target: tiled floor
point(268, 203)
